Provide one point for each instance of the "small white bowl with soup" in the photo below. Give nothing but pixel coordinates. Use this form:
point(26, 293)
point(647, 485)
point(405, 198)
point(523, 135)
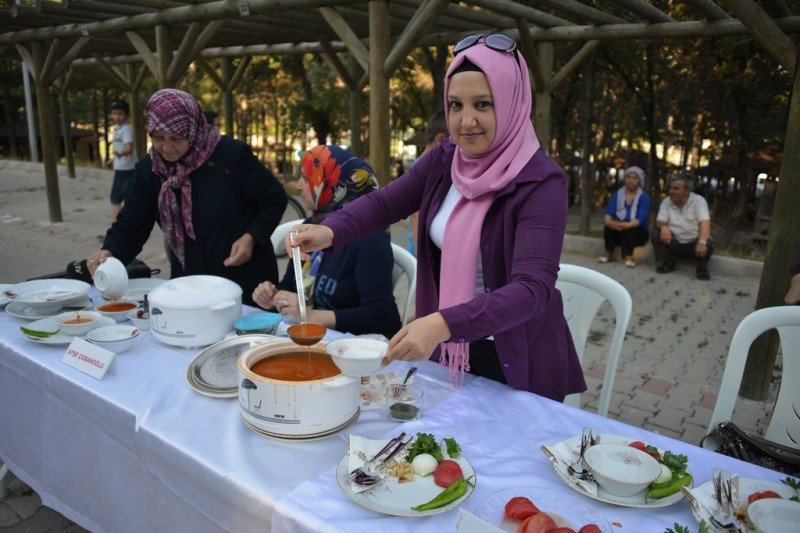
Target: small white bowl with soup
point(77, 322)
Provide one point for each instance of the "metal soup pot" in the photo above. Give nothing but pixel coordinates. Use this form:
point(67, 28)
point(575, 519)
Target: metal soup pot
point(294, 408)
point(194, 310)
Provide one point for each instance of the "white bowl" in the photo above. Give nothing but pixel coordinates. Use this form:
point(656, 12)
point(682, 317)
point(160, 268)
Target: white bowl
point(47, 296)
point(141, 323)
point(77, 329)
point(115, 338)
point(620, 469)
point(357, 357)
point(111, 278)
point(774, 514)
point(119, 316)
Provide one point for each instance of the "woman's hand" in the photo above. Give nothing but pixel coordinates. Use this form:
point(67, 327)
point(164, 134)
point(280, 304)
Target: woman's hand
point(264, 294)
point(287, 304)
point(793, 296)
point(241, 251)
point(310, 238)
point(95, 259)
point(416, 341)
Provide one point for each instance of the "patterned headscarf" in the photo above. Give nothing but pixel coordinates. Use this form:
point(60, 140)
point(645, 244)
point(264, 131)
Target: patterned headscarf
point(335, 177)
point(621, 211)
point(177, 113)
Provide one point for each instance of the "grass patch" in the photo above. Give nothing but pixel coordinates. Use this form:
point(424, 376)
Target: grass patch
point(722, 291)
point(673, 317)
point(703, 344)
point(596, 336)
point(741, 294)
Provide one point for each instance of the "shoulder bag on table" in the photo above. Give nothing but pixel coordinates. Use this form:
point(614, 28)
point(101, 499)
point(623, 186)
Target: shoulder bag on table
point(735, 442)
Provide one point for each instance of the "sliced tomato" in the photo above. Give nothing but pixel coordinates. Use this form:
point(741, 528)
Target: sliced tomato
point(538, 523)
point(762, 496)
point(562, 530)
point(447, 473)
point(590, 528)
point(520, 508)
point(639, 445)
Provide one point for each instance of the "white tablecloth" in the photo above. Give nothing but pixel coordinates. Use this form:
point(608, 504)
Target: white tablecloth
point(141, 451)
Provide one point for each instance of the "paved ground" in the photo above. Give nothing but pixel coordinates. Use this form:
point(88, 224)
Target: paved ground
point(668, 375)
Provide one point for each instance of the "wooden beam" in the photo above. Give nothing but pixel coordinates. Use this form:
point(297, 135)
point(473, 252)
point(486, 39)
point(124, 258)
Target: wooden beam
point(482, 18)
point(27, 57)
point(709, 9)
point(50, 61)
point(422, 20)
point(140, 74)
point(163, 54)
point(333, 61)
point(541, 111)
point(179, 60)
point(114, 73)
point(66, 126)
point(47, 134)
point(212, 73)
point(379, 89)
point(766, 32)
point(237, 75)
point(356, 111)
point(573, 63)
point(69, 57)
point(202, 41)
point(347, 35)
point(780, 7)
point(145, 53)
point(528, 49)
point(647, 11)
point(227, 96)
point(515, 11)
point(582, 11)
point(223, 9)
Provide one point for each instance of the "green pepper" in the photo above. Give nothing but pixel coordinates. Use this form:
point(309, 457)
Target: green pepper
point(37, 333)
point(661, 490)
point(448, 495)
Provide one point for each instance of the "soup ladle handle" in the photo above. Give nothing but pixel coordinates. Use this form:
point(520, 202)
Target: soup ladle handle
point(298, 279)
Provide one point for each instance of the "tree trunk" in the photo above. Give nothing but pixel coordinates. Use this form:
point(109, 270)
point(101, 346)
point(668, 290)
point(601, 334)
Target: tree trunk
point(8, 108)
point(587, 173)
point(106, 112)
point(96, 129)
point(66, 128)
point(49, 150)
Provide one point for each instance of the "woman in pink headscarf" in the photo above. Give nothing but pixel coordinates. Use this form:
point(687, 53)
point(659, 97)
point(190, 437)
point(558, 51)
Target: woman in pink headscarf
point(493, 210)
point(215, 201)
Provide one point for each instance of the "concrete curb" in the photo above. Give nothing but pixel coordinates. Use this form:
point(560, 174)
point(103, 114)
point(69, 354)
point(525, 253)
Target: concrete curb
point(722, 265)
point(80, 172)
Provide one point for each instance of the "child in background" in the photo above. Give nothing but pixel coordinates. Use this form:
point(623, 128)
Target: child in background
point(124, 158)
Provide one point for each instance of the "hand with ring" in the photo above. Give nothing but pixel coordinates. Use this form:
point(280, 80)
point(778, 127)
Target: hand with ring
point(287, 304)
point(95, 259)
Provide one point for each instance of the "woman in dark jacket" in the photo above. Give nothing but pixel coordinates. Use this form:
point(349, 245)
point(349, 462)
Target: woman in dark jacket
point(216, 203)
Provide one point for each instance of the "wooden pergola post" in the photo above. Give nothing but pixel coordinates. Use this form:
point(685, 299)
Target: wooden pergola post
point(543, 95)
point(356, 115)
point(379, 46)
point(66, 122)
point(227, 96)
point(163, 55)
point(137, 114)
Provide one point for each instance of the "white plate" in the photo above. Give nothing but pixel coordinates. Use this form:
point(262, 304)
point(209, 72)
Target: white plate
point(42, 292)
point(637, 500)
point(138, 287)
point(566, 510)
point(3, 298)
point(774, 515)
point(747, 486)
point(20, 310)
point(393, 498)
point(59, 339)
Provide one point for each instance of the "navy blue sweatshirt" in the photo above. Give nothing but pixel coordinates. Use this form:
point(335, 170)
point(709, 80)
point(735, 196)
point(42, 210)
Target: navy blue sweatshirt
point(356, 284)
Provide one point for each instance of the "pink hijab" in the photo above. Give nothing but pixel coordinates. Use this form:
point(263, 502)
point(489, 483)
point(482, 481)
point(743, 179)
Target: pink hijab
point(479, 177)
point(178, 113)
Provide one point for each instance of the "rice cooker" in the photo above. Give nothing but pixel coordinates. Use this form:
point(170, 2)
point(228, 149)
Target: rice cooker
point(194, 310)
point(294, 409)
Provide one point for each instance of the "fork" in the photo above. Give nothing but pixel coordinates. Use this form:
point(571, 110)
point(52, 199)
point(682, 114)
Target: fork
point(371, 473)
point(588, 439)
point(698, 507)
point(723, 494)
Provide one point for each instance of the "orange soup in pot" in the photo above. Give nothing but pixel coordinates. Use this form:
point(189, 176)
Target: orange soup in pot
point(296, 366)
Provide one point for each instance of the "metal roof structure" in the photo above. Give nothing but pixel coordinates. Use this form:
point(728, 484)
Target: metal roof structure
point(167, 35)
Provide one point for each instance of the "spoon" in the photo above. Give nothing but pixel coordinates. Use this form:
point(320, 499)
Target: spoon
point(411, 372)
point(304, 334)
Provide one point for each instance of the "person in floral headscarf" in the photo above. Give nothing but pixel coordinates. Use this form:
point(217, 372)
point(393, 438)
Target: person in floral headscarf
point(216, 203)
point(350, 290)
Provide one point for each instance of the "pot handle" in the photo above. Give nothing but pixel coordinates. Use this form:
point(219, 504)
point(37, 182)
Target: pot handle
point(341, 381)
point(222, 305)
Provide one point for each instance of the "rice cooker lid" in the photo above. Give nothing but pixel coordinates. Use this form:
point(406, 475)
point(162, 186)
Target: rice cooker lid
point(194, 292)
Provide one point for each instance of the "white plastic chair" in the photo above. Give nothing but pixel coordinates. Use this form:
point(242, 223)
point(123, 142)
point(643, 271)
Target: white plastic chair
point(784, 428)
point(405, 263)
point(279, 235)
point(583, 291)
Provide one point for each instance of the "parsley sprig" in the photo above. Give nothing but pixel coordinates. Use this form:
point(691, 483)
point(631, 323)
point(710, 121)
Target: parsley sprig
point(676, 463)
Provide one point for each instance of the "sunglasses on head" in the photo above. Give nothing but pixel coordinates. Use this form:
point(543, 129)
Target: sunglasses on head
point(496, 41)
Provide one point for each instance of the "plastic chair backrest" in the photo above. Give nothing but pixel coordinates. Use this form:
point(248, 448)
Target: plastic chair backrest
point(405, 263)
point(279, 235)
point(784, 427)
point(583, 291)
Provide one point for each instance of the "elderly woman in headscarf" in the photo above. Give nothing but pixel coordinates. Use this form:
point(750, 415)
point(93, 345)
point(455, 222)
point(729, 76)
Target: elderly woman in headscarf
point(350, 290)
point(215, 202)
point(626, 218)
point(492, 216)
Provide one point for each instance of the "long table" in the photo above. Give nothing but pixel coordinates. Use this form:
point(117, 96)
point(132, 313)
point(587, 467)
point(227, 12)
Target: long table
point(141, 451)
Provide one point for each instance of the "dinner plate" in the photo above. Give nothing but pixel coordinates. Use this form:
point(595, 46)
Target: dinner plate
point(704, 494)
point(775, 515)
point(25, 312)
point(565, 510)
point(59, 339)
point(214, 372)
point(3, 298)
point(138, 287)
point(46, 292)
point(637, 500)
point(394, 498)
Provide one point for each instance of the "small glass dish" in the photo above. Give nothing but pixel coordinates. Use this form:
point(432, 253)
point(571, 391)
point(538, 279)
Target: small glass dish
point(403, 402)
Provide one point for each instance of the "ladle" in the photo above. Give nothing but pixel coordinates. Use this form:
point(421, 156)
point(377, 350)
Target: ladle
point(304, 334)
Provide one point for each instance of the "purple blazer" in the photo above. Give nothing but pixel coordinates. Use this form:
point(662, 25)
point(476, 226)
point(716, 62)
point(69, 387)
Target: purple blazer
point(520, 248)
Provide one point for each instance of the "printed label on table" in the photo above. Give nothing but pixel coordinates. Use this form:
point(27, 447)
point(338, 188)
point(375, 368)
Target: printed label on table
point(90, 358)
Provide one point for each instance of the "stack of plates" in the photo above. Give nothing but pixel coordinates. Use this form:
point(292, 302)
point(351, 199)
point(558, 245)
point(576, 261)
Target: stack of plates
point(214, 372)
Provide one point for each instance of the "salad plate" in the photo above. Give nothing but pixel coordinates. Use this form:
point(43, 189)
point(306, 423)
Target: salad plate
point(567, 451)
point(748, 487)
point(394, 498)
point(59, 339)
point(565, 510)
point(26, 312)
